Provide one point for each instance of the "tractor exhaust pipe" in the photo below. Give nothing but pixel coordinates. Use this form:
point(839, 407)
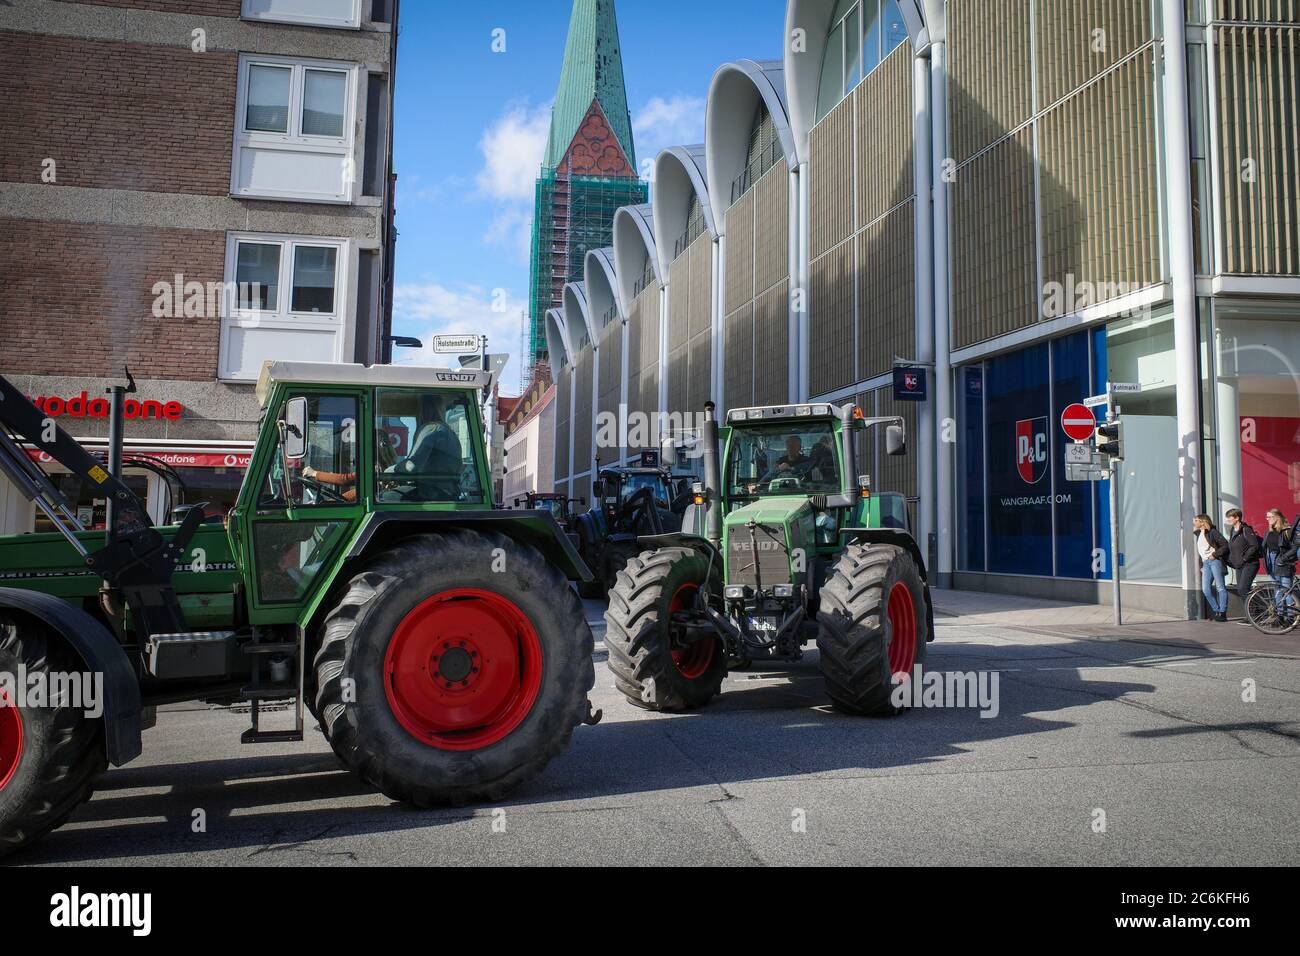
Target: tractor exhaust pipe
point(712, 476)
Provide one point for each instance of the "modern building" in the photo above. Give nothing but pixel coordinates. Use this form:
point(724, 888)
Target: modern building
point(589, 169)
point(1027, 199)
point(530, 443)
point(188, 190)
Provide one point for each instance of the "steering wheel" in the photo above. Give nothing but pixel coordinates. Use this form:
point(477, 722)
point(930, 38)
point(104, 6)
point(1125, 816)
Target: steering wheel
point(785, 481)
point(325, 491)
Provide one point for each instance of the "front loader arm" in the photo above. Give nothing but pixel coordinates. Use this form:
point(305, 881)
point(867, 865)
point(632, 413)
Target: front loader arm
point(135, 559)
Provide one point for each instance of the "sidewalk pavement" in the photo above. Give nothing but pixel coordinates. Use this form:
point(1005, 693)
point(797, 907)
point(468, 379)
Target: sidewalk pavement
point(1096, 622)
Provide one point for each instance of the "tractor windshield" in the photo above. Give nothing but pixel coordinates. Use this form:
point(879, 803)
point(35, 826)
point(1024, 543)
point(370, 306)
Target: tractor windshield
point(658, 487)
point(784, 459)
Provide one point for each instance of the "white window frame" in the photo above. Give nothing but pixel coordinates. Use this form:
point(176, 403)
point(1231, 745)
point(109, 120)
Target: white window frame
point(354, 23)
point(282, 317)
point(343, 147)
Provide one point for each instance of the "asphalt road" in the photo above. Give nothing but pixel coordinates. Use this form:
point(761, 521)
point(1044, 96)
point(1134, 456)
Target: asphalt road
point(1155, 742)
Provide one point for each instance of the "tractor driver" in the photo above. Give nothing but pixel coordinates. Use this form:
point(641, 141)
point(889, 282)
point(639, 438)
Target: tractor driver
point(793, 464)
point(435, 461)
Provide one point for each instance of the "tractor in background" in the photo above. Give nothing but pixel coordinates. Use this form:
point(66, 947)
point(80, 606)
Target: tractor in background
point(561, 507)
point(781, 546)
point(628, 502)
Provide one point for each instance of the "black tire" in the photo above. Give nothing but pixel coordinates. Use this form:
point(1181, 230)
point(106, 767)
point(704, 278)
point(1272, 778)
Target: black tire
point(62, 750)
point(855, 629)
point(640, 642)
point(616, 558)
point(593, 590)
point(363, 728)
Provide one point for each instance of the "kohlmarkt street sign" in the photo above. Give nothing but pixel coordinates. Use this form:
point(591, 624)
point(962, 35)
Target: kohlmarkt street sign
point(1124, 388)
point(455, 344)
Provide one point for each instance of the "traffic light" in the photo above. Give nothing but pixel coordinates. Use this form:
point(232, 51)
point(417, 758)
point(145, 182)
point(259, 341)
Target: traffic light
point(1109, 438)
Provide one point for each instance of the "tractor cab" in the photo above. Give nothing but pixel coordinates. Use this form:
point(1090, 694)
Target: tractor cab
point(560, 507)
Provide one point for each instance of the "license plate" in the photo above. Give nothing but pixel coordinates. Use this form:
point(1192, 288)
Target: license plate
point(763, 624)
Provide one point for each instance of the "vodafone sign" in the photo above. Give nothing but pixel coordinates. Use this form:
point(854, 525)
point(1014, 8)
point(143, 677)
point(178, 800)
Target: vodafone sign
point(83, 406)
point(174, 459)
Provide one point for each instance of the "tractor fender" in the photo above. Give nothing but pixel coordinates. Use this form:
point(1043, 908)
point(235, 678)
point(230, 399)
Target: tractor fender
point(536, 528)
point(680, 539)
point(902, 539)
point(102, 654)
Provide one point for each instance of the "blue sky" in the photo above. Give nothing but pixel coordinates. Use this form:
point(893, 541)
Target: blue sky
point(471, 128)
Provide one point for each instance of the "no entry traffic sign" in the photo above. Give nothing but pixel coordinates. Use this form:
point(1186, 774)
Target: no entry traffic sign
point(1078, 421)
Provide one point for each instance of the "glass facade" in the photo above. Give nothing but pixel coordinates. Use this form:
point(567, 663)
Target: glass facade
point(1017, 513)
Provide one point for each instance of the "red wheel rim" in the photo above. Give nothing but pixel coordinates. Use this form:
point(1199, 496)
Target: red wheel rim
point(693, 660)
point(902, 623)
point(463, 669)
point(11, 739)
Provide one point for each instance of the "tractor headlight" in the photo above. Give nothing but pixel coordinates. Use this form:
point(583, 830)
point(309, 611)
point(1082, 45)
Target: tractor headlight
point(736, 592)
point(783, 591)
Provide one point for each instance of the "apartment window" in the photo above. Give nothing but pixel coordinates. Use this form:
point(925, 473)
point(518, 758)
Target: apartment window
point(289, 302)
point(294, 134)
point(320, 13)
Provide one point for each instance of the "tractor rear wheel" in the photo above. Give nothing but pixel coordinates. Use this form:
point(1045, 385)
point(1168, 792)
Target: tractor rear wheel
point(654, 665)
point(454, 668)
point(50, 757)
point(872, 625)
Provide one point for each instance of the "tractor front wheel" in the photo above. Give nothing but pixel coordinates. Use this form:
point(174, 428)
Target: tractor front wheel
point(454, 668)
point(50, 756)
point(872, 626)
point(659, 664)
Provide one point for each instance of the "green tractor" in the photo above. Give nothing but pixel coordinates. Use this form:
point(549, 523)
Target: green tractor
point(781, 546)
point(362, 574)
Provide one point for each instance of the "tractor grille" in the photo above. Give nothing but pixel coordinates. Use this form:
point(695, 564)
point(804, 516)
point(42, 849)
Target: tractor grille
point(773, 565)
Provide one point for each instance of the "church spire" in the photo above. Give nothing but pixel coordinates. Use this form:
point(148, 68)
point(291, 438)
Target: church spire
point(592, 74)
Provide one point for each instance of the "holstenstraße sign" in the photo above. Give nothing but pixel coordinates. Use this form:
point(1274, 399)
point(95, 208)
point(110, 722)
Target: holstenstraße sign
point(455, 344)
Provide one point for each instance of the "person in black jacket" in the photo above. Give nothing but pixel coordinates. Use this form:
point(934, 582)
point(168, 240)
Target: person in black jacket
point(1244, 551)
point(1280, 547)
point(1212, 548)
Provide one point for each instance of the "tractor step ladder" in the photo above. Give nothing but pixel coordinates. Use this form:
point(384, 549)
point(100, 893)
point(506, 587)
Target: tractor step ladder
point(260, 689)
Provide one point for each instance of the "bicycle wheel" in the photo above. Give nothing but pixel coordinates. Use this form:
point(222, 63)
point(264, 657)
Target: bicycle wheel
point(1268, 610)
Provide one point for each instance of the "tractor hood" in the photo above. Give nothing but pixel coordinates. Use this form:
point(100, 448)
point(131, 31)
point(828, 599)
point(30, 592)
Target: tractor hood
point(778, 550)
point(768, 511)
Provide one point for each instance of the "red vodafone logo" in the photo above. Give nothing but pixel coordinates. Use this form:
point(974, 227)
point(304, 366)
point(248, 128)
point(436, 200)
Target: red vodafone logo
point(1078, 422)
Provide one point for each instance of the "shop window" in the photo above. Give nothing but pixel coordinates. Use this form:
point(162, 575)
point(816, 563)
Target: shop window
point(1018, 448)
point(1257, 397)
point(1072, 381)
point(320, 13)
point(266, 323)
point(1018, 513)
point(294, 136)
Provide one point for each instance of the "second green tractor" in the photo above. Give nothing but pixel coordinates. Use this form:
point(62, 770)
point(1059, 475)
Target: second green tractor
point(782, 546)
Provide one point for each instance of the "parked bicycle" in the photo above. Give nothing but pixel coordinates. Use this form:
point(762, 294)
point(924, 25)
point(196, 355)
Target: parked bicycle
point(1274, 609)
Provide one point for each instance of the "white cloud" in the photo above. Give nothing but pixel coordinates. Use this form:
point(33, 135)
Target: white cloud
point(676, 121)
point(512, 149)
point(430, 309)
point(512, 228)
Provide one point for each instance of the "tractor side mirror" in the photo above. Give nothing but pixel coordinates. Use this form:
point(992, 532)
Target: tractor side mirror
point(895, 441)
point(598, 488)
point(295, 429)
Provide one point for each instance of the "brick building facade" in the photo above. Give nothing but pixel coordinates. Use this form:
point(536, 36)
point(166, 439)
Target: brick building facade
point(188, 189)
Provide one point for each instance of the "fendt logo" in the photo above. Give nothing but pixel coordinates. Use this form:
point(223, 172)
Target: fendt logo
point(1031, 449)
point(748, 546)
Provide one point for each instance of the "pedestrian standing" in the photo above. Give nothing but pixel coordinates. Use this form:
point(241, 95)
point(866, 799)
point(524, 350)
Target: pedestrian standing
point(1244, 551)
point(1280, 548)
point(1212, 548)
